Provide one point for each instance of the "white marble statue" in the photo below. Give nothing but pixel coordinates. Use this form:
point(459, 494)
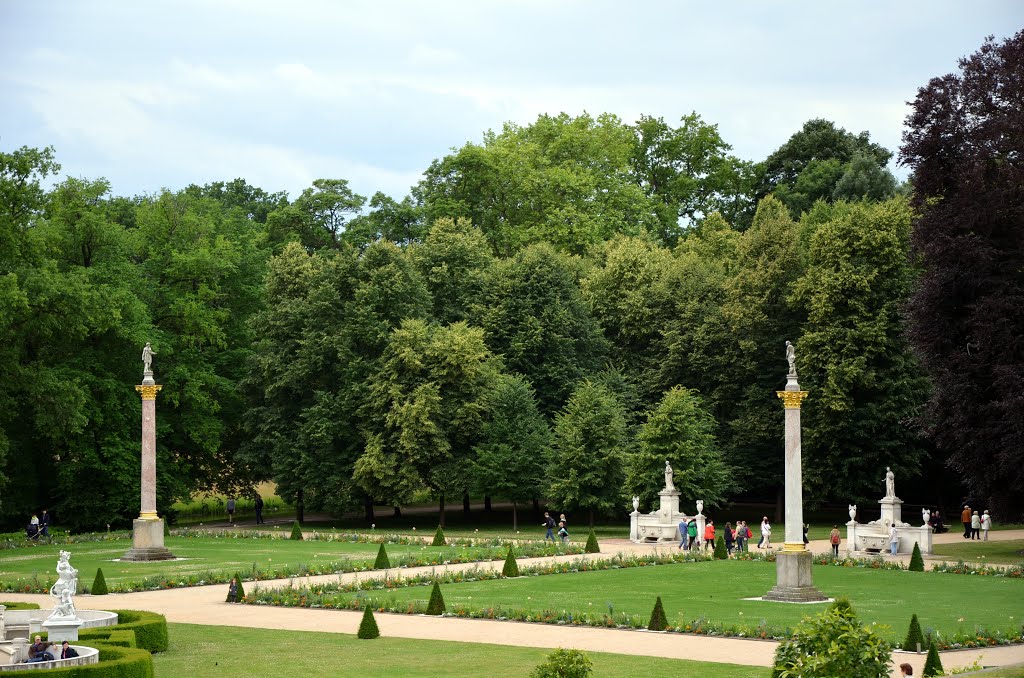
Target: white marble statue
point(669, 486)
point(791, 358)
point(700, 506)
point(64, 588)
point(853, 511)
point(890, 482)
point(147, 358)
point(636, 504)
point(925, 515)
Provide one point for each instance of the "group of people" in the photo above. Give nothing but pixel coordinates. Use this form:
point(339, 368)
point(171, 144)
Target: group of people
point(549, 525)
point(975, 525)
point(38, 526)
point(257, 505)
point(39, 651)
point(736, 538)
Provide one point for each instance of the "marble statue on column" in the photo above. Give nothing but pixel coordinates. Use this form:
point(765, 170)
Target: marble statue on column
point(147, 358)
point(64, 588)
point(668, 477)
point(791, 358)
point(890, 482)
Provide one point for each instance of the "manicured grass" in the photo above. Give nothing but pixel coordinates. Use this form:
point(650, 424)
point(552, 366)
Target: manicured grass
point(716, 591)
point(1008, 552)
point(203, 554)
point(231, 651)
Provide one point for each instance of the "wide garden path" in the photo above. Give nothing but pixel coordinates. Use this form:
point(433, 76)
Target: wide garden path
point(205, 605)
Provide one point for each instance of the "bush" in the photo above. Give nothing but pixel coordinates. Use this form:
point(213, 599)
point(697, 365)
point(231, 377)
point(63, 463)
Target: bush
point(511, 568)
point(658, 621)
point(368, 626)
point(563, 664)
point(830, 644)
point(915, 639)
point(932, 665)
point(592, 545)
point(721, 553)
point(150, 628)
point(916, 561)
point(843, 606)
point(120, 638)
point(436, 604)
point(99, 584)
point(296, 531)
point(239, 590)
point(439, 539)
point(119, 662)
point(382, 562)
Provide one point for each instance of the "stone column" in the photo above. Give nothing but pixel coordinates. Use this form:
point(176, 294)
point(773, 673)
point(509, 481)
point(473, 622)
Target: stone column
point(148, 529)
point(794, 582)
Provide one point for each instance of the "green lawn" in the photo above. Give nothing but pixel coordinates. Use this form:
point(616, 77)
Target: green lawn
point(716, 590)
point(231, 651)
point(1005, 552)
point(203, 554)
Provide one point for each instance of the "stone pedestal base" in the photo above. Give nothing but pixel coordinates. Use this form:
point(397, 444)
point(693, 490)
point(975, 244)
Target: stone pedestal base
point(148, 541)
point(59, 630)
point(793, 579)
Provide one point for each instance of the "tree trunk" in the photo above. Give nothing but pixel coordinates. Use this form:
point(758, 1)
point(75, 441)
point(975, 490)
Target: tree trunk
point(515, 518)
point(536, 509)
point(398, 512)
point(487, 503)
point(441, 523)
point(465, 502)
point(299, 507)
point(368, 510)
point(591, 512)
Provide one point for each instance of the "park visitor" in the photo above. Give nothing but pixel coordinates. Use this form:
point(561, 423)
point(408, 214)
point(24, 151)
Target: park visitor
point(986, 524)
point(906, 670)
point(965, 519)
point(691, 533)
point(231, 510)
point(549, 525)
point(684, 535)
point(730, 538)
point(834, 539)
point(894, 540)
point(37, 651)
point(975, 526)
point(66, 651)
point(258, 505)
point(563, 533)
point(709, 534)
point(766, 534)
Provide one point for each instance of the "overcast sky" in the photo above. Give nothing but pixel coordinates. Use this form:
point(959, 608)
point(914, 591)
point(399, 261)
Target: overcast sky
point(153, 95)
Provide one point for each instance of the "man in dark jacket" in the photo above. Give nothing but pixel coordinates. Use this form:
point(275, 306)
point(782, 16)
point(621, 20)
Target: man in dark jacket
point(37, 651)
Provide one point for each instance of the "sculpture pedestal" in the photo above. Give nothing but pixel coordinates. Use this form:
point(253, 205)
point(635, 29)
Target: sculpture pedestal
point(668, 504)
point(148, 541)
point(793, 579)
point(892, 511)
point(59, 630)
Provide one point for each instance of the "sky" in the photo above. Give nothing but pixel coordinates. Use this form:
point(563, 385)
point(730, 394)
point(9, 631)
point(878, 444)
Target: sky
point(164, 94)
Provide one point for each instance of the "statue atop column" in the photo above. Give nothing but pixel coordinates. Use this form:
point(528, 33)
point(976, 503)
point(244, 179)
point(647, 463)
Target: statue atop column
point(890, 482)
point(791, 358)
point(669, 486)
point(147, 359)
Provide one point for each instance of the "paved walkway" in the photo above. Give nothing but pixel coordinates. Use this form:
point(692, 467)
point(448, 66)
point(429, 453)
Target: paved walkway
point(205, 605)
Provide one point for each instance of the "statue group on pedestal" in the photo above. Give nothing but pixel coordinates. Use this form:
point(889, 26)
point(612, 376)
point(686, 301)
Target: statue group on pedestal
point(64, 588)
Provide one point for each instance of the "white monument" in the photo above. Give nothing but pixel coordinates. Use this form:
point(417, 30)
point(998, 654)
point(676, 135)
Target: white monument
point(793, 580)
point(63, 622)
point(663, 525)
point(148, 529)
point(873, 537)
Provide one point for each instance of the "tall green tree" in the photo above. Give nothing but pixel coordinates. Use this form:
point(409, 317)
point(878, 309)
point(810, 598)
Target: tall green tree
point(964, 144)
point(453, 261)
point(585, 469)
point(866, 388)
point(681, 432)
point(515, 443)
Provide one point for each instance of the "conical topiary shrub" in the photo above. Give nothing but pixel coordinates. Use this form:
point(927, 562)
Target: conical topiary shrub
point(721, 553)
point(916, 561)
point(511, 568)
point(592, 545)
point(382, 562)
point(439, 539)
point(436, 604)
point(932, 665)
point(99, 584)
point(241, 589)
point(915, 639)
point(658, 621)
point(368, 626)
point(296, 531)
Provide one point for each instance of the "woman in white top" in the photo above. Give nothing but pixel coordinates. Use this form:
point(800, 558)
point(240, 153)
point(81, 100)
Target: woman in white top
point(766, 534)
point(894, 540)
point(986, 524)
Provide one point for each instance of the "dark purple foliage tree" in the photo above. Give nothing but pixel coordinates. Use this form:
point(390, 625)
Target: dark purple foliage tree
point(965, 144)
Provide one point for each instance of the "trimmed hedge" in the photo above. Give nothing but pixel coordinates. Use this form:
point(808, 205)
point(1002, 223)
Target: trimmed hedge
point(382, 562)
point(368, 626)
point(436, 604)
point(915, 639)
point(658, 620)
point(932, 665)
point(296, 531)
point(115, 662)
point(592, 545)
point(511, 567)
point(916, 561)
point(721, 553)
point(118, 637)
point(439, 539)
point(150, 628)
point(20, 606)
point(99, 584)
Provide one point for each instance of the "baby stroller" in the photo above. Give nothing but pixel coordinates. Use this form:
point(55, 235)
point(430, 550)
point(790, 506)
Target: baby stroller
point(32, 532)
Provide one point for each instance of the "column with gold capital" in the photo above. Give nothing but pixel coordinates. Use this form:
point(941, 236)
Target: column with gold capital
point(148, 529)
point(793, 579)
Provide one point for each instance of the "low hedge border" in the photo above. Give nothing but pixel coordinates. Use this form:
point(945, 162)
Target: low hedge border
point(109, 636)
point(150, 628)
point(19, 606)
point(115, 662)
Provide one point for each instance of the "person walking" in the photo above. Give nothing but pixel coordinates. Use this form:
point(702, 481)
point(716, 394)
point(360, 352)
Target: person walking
point(258, 505)
point(986, 524)
point(231, 510)
point(766, 534)
point(894, 540)
point(549, 525)
point(730, 538)
point(709, 535)
point(975, 526)
point(684, 535)
point(44, 524)
point(965, 519)
point(806, 528)
point(834, 539)
point(563, 533)
point(747, 536)
point(691, 533)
